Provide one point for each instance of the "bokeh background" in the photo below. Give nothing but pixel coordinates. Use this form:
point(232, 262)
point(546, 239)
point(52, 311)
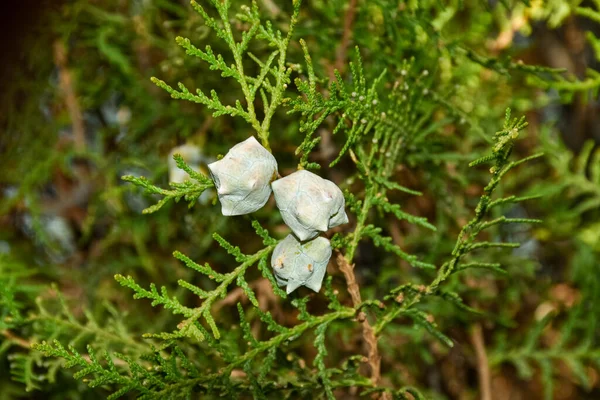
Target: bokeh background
point(78, 111)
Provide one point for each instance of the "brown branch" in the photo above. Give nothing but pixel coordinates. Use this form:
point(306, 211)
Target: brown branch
point(327, 145)
point(342, 50)
point(483, 367)
point(11, 337)
point(267, 300)
point(348, 271)
point(233, 297)
point(373, 357)
point(68, 89)
point(206, 125)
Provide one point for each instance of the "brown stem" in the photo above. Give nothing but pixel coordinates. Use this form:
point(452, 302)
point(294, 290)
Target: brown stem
point(16, 339)
point(373, 357)
point(342, 50)
point(327, 145)
point(483, 367)
point(233, 297)
point(68, 89)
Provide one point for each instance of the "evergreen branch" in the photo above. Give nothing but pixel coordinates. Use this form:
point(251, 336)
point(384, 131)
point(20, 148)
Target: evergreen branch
point(210, 21)
point(487, 245)
point(407, 288)
point(193, 288)
point(91, 366)
point(246, 329)
point(216, 62)
point(197, 176)
point(491, 266)
point(301, 305)
point(381, 139)
point(504, 220)
point(158, 298)
point(261, 347)
point(109, 333)
point(251, 16)
point(231, 249)
point(243, 284)
point(22, 370)
point(263, 233)
point(265, 269)
point(213, 102)
point(282, 78)
point(511, 200)
point(426, 321)
point(591, 82)
point(384, 203)
point(237, 51)
point(457, 301)
point(360, 107)
point(189, 191)
point(267, 364)
point(503, 145)
point(311, 89)
point(203, 269)
point(188, 327)
point(272, 325)
point(265, 69)
point(249, 85)
point(390, 185)
point(531, 351)
point(319, 360)
point(505, 64)
point(588, 13)
point(331, 294)
point(54, 319)
point(594, 41)
point(386, 242)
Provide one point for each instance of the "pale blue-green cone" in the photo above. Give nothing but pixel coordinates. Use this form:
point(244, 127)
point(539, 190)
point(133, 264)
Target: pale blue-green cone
point(309, 204)
point(243, 177)
point(298, 264)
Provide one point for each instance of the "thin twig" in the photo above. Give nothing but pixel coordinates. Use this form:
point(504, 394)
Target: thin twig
point(68, 89)
point(373, 357)
point(342, 50)
point(233, 297)
point(206, 125)
point(483, 367)
point(16, 339)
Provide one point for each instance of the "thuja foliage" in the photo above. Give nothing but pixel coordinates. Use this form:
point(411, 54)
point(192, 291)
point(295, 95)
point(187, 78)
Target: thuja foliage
point(405, 110)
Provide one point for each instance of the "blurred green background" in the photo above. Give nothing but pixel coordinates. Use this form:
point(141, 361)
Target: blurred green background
point(78, 111)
